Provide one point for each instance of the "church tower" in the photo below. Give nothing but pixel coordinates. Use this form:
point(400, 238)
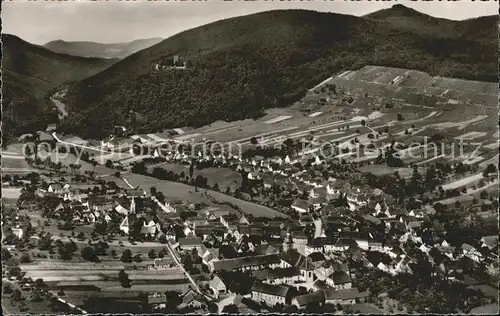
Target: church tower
point(132, 206)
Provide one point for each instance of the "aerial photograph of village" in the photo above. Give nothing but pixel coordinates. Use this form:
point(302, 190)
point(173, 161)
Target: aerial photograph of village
point(250, 157)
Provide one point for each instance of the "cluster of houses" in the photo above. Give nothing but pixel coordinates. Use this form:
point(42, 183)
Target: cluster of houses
point(291, 261)
point(281, 256)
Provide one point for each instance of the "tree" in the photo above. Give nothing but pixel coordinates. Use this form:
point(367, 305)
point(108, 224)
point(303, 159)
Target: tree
point(213, 308)
point(231, 309)
point(491, 168)
point(124, 279)
point(288, 142)
point(117, 174)
point(152, 191)
point(88, 254)
point(363, 123)
point(187, 262)
point(152, 254)
point(400, 117)
point(109, 164)
point(25, 258)
point(6, 255)
point(254, 141)
point(126, 256)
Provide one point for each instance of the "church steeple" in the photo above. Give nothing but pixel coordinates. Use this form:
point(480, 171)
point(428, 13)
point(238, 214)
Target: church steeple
point(132, 206)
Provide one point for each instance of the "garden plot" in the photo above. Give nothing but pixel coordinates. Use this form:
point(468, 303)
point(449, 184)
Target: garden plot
point(381, 170)
point(315, 114)
point(493, 160)
point(324, 82)
point(157, 138)
point(463, 182)
point(471, 135)
point(141, 138)
point(459, 125)
point(246, 140)
point(113, 157)
point(474, 160)
point(470, 193)
point(278, 119)
point(134, 159)
point(432, 159)
point(11, 193)
point(187, 136)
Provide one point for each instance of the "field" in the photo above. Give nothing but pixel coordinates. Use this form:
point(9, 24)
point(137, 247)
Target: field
point(13, 161)
point(374, 105)
point(491, 188)
point(75, 277)
point(10, 195)
point(224, 177)
point(179, 191)
point(463, 182)
point(411, 105)
point(381, 170)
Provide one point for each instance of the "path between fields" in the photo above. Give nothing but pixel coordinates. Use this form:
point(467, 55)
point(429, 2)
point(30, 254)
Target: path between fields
point(77, 145)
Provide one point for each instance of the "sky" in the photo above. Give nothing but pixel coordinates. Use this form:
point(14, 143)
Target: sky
point(116, 21)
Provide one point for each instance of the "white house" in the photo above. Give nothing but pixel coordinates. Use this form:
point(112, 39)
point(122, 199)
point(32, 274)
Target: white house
point(18, 232)
point(124, 226)
point(301, 206)
point(217, 286)
point(55, 188)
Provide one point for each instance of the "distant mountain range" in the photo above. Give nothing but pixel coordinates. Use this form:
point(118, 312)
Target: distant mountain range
point(238, 67)
point(100, 50)
point(30, 74)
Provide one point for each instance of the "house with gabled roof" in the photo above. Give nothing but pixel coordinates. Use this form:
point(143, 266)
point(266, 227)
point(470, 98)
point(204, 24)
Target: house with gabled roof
point(276, 276)
point(157, 301)
point(218, 286)
point(345, 297)
point(489, 241)
point(270, 294)
point(125, 226)
point(55, 188)
point(246, 263)
point(301, 206)
point(191, 299)
point(302, 301)
point(190, 243)
point(339, 280)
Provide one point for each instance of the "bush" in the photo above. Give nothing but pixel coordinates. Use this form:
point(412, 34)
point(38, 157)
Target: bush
point(25, 258)
point(126, 256)
point(88, 254)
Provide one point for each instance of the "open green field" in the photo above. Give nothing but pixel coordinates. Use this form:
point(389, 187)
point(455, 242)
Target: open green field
point(13, 161)
point(382, 170)
point(224, 177)
point(179, 191)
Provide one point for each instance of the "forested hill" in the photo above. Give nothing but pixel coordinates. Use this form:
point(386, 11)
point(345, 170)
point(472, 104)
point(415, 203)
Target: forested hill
point(101, 50)
point(29, 74)
point(481, 29)
point(238, 67)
